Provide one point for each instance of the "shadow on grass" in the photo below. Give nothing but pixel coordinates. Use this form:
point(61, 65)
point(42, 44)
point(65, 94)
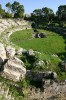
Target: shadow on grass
point(28, 60)
point(62, 55)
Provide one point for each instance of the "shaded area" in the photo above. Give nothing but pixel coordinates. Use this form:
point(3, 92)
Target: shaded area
point(2, 63)
point(62, 55)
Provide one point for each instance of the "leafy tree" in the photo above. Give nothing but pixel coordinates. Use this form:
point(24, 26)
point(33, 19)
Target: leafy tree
point(37, 12)
point(17, 9)
point(42, 16)
point(36, 16)
point(15, 6)
point(61, 13)
point(2, 12)
point(8, 6)
point(47, 13)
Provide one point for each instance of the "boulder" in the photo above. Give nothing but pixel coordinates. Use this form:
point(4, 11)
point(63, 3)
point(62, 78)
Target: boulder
point(50, 75)
point(10, 51)
point(2, 63)
point(54, 74)
point(2, 51)
point(40, 35)
point(31, 52)
point(37, 35)
point(20, 51)
point(14, 69)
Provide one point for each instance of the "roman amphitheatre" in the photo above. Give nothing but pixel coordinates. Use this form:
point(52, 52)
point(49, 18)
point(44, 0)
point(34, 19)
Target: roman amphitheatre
point(32, 57)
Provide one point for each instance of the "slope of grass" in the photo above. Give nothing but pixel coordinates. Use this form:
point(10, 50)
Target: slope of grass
point(52, 44)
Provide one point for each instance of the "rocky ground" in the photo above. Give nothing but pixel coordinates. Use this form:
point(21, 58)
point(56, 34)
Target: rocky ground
point(4, 92)
point(54, 91)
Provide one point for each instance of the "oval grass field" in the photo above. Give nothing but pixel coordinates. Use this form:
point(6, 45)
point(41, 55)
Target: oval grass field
point(54, 43)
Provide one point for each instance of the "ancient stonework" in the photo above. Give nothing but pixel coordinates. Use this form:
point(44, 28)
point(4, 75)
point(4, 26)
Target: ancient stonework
point(11, 67)
point(38, 76)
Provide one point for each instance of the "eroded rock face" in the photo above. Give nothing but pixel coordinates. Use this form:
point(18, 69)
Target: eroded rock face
point(2, 51)
point(5, 24)
point(12, 68)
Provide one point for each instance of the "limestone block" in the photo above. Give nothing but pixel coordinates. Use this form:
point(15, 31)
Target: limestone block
point(10, 51)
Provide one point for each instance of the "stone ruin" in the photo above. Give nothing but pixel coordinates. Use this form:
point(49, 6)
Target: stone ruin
point(5, 24)
point(39, 76)
point(40, 35)
point(11, 67)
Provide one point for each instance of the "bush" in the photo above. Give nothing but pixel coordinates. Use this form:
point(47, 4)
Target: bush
point(7, 15)
point(33, 25)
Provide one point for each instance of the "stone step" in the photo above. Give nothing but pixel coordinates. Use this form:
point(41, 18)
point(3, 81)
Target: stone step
point(13, 75)
point(15, 65)
point(13, 68)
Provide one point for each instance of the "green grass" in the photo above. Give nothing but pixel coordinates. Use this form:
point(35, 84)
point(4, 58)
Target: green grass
point(52, 44)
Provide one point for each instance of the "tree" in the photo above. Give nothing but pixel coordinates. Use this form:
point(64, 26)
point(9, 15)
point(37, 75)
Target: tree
point(37, 12)
point(17, 9)
point(20, 11)
point(47, 13)
point(36, 16)
point(8, 5)
point(2, 12)
point(61, 13)
point(42, 16)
